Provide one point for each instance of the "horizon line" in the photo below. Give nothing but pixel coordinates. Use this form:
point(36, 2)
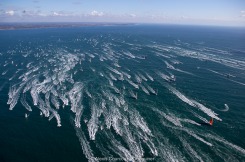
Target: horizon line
point(123, 23)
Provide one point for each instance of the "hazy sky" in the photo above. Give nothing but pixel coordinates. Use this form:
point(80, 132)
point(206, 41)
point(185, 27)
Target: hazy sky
point(202, 12)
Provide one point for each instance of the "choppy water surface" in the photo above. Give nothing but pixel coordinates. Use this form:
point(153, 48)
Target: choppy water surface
point(135, 93)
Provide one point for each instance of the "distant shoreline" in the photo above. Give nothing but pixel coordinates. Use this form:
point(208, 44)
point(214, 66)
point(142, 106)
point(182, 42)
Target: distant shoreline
point(16, 26)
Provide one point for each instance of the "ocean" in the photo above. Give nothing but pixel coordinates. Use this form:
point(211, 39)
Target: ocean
point(122, 92)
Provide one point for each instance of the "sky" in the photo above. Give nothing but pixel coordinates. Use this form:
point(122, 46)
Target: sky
point(197, 12)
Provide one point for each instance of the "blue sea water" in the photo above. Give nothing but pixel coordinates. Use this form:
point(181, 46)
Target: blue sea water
point(129, 93)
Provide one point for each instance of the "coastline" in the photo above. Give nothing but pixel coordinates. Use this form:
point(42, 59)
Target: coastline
point(17, 26)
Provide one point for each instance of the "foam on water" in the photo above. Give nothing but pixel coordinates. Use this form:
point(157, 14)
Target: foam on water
point(193, 103)
point(113, 95)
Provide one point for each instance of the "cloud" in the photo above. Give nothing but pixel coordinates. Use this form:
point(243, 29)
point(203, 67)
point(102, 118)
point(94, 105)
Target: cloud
point(184, 17)
point(32, 13)
point(96, 13)
point(76, 3)
point(57, 14)
point(62, 13)
point(10, 12)
point(132, 15)
point(242, 13)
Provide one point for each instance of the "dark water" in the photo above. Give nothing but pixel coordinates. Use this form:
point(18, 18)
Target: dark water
point(136, 93)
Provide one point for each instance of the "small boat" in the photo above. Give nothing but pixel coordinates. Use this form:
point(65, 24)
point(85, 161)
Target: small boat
point(133, 95)
point(136, 96)
point(156, 92)
point(172, 78)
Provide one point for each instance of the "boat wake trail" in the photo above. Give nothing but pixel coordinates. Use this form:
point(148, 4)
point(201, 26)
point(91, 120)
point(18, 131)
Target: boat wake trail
point(121, 104)
point(193, 103)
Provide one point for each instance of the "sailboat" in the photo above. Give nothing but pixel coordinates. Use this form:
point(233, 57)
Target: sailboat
point(211, 121)
point(135, 96)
